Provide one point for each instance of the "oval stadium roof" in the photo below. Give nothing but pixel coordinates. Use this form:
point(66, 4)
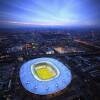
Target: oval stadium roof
point(44, 76)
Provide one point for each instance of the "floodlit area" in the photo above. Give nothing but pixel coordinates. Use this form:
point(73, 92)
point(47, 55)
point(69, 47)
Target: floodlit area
point(45, 71)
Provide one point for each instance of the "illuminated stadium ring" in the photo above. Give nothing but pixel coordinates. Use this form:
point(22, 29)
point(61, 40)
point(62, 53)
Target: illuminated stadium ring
point(44, 76)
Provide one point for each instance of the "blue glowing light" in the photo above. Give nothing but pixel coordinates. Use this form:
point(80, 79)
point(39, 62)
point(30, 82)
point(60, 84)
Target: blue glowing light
point(36, 86)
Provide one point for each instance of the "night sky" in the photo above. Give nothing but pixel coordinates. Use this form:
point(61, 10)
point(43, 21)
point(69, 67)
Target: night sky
point(49, 12)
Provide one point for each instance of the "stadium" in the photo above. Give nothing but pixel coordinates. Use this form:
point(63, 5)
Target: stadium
point(45, 76)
